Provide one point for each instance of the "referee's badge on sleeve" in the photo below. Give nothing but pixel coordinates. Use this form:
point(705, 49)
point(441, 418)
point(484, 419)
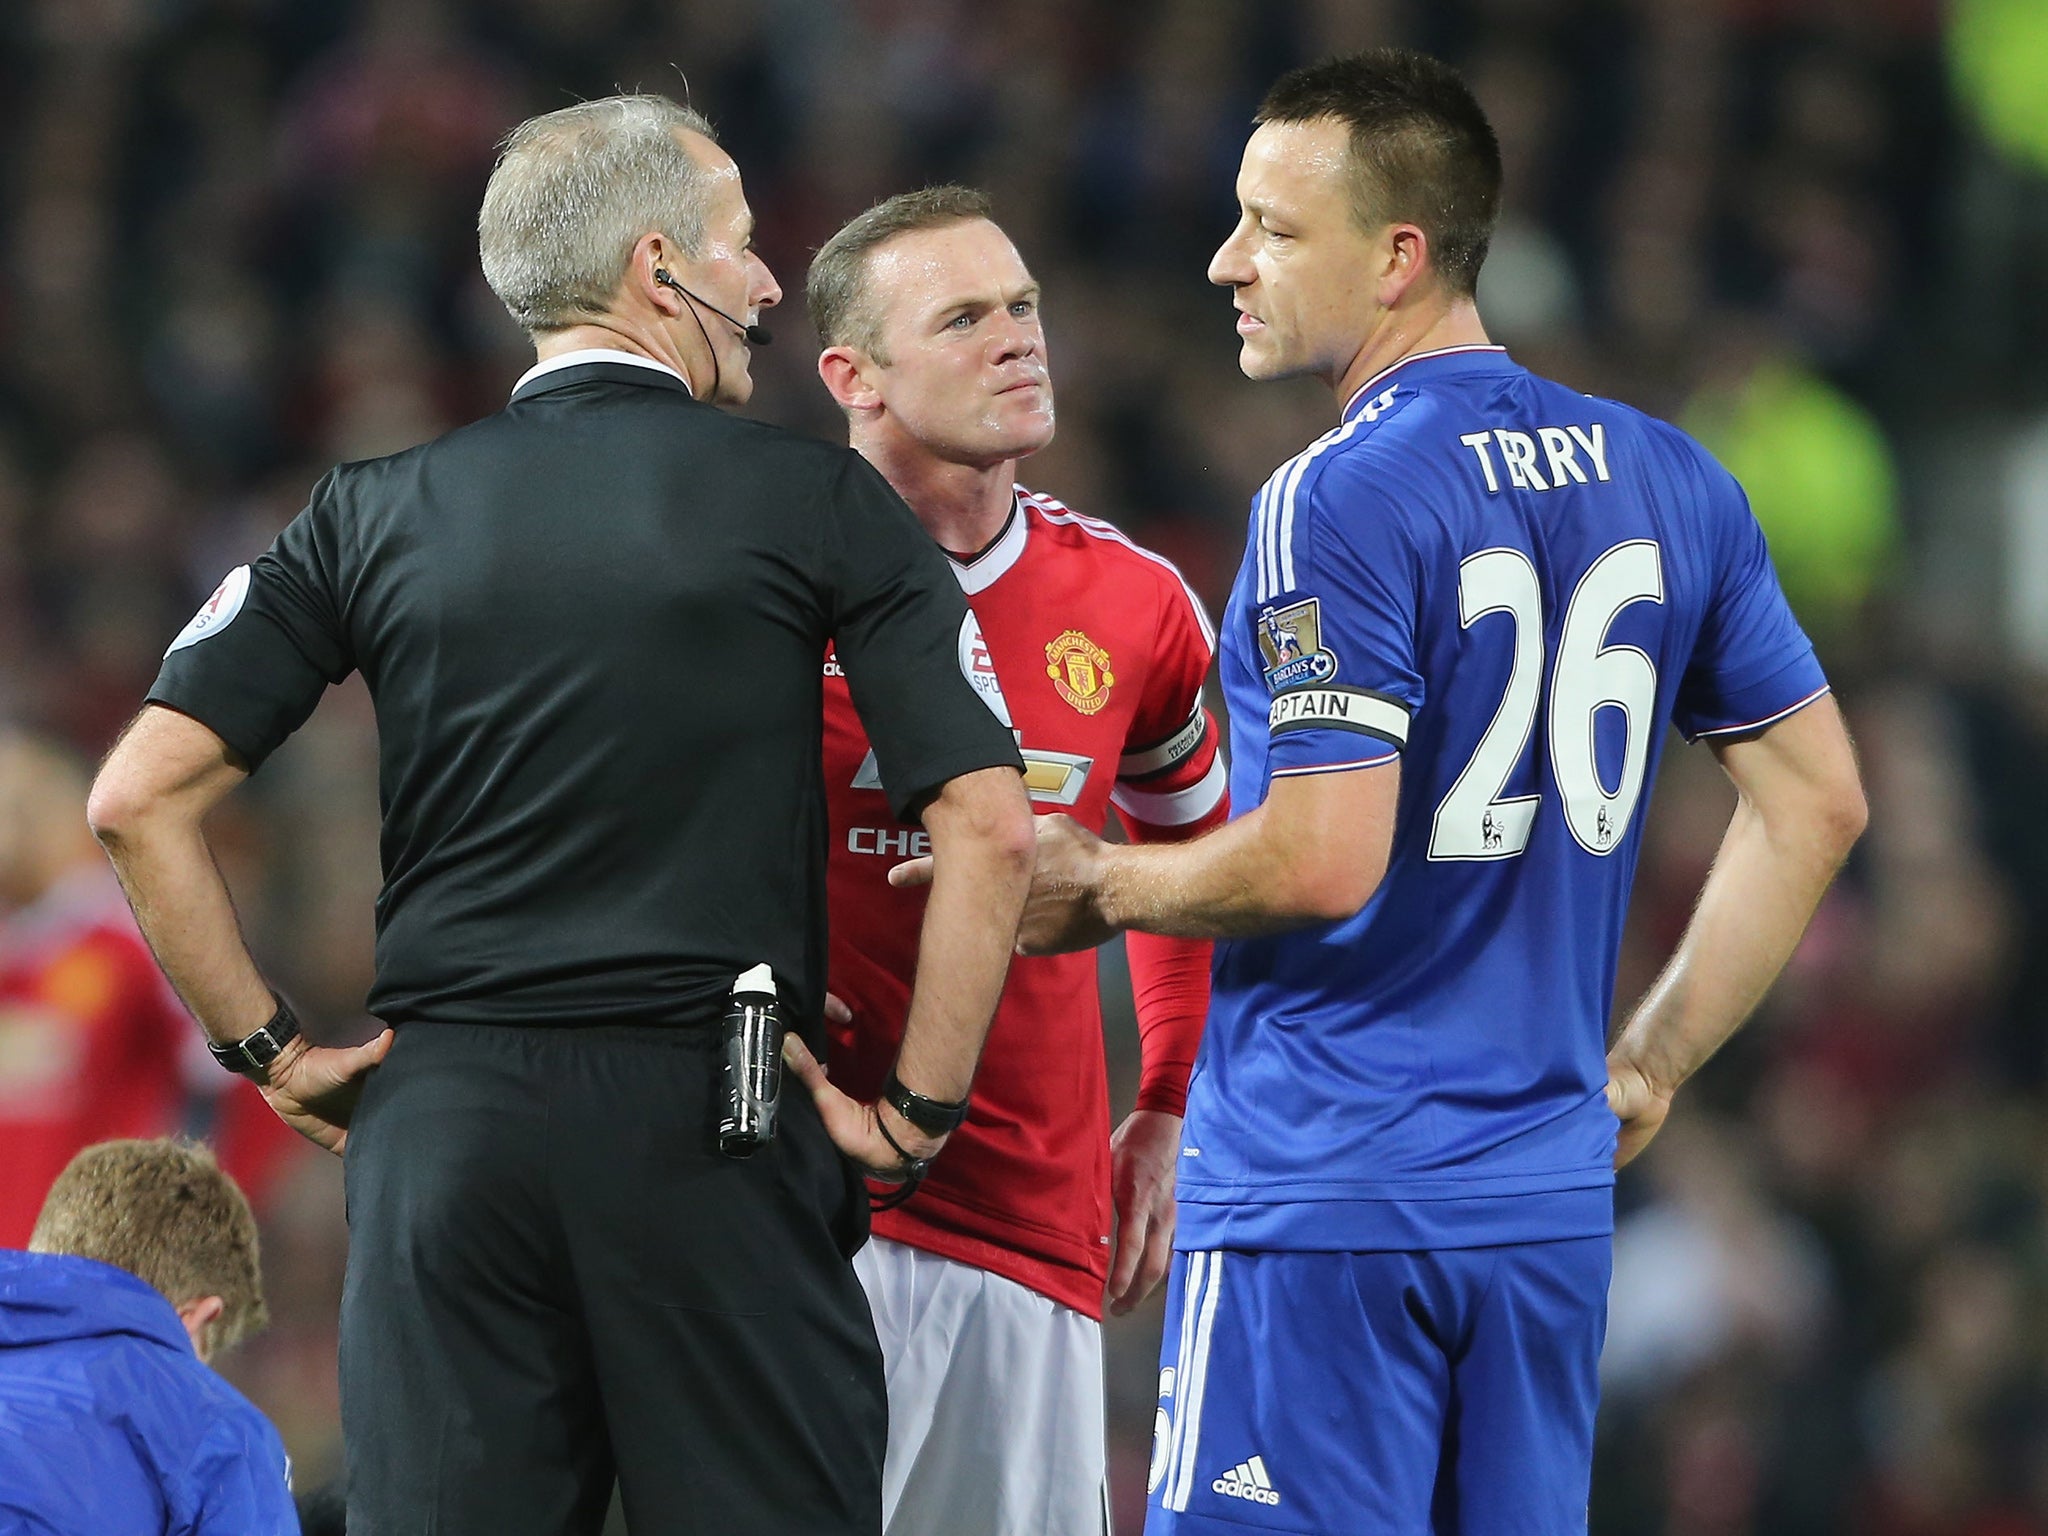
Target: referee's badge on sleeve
point(1290, 640)
point(217, 612)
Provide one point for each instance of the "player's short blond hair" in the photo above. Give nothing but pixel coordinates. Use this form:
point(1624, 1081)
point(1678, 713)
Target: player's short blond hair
point(836, 291)
point(165, 1212)
point(574, 191)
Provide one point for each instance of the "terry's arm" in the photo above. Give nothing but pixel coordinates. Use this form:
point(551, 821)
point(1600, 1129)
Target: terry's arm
point(1314, 852)
point(1800, 812)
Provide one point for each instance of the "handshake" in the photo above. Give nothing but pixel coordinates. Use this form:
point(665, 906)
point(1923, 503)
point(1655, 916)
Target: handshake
point(1063, 910)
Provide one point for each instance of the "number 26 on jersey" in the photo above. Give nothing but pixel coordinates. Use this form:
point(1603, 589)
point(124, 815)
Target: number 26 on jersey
point(1474, 820)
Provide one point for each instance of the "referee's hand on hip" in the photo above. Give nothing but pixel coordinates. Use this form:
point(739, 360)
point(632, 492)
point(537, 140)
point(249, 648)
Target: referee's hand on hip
point(314, 1088)
point(852, 1125)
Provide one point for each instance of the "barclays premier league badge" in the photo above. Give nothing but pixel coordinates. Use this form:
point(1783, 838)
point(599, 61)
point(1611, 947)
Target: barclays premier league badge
point(217, 612)
point(1290, 639)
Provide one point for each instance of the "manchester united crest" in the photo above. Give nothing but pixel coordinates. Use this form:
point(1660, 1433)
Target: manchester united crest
point(1079, 669)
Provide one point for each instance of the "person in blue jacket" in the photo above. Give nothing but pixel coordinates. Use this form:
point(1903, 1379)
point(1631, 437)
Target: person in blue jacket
point(142, 1266)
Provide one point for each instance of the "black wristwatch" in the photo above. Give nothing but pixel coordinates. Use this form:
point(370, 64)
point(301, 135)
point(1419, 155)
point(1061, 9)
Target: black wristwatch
point(253, 1053)
point(935, 1117)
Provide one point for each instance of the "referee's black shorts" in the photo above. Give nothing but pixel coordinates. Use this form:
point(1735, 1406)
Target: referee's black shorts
point(555, 1278)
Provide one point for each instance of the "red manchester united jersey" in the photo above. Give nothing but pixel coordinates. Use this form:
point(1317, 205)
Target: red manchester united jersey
point(94, 1044)
point(1094, 651)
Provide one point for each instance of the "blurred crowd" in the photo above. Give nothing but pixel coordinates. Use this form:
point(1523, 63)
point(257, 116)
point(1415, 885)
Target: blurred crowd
point(237, 245)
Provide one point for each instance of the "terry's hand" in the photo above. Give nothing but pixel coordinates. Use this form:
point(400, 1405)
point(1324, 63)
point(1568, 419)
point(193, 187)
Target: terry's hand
point(314, 1088)
point(1639, 1106)
point(1141, 1164)
point(852, 1125)
point(1062, 912)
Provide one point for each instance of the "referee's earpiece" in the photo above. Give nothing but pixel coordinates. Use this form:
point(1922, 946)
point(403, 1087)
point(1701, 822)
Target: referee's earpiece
point(757, 334)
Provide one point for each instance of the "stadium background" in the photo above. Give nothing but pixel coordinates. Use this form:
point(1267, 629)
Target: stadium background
point(236, 244)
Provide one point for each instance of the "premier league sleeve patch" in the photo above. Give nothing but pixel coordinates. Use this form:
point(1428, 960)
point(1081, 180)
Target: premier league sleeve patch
point(1291, 644)
point(217, 612)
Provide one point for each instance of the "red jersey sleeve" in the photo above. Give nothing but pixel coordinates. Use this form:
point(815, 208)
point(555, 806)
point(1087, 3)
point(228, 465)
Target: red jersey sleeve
point(1171, 785)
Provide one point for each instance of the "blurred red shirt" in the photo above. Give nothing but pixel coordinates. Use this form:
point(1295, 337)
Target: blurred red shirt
point(94, 1045)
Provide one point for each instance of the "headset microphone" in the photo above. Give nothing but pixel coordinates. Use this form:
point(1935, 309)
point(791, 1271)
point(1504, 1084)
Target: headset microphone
point(756, 335)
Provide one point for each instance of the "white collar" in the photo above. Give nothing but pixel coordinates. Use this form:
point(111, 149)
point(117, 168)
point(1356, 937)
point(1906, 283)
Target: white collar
point(1413, 357)
point(982, 572)
point(596, 355)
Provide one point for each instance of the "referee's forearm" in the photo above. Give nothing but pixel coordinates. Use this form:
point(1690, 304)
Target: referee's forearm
point(982, 850)
point(148, 808)
point(182, 905)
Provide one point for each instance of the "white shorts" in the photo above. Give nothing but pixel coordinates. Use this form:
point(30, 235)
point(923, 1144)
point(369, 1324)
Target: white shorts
point(995, 1402)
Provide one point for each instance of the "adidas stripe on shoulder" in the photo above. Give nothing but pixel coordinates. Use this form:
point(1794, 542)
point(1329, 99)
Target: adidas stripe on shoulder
point(1058, 512)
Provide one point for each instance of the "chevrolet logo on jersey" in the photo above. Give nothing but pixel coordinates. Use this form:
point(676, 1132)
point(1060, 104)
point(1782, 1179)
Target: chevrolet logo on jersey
point(1052, 778)
point(1055, 778)
point(1290, 640)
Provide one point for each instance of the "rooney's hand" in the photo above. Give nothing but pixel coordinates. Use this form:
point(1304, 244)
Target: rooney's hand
point(314, 1088)
point(1638, 1105)
point(852, 1125)
point(1142, 1154)
point(910, 872)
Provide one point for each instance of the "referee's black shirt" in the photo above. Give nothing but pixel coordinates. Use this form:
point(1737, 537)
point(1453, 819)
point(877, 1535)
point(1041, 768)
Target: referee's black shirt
point(594, 627)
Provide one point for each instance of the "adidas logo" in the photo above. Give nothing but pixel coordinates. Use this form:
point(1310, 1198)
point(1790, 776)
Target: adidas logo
point(1248, 1480)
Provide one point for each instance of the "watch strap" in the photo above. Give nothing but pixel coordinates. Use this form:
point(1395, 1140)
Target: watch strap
point(914, 1169)
point(255, 1051)
point(935, 1117)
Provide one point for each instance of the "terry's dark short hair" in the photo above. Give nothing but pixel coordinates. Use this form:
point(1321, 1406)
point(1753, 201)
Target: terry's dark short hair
point(1422, 151)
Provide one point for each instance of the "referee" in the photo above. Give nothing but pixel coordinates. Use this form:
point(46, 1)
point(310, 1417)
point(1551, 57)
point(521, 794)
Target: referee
point(594, 625)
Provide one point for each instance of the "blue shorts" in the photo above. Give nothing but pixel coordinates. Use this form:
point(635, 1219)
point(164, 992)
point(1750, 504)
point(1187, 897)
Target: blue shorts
point(1440, 1393)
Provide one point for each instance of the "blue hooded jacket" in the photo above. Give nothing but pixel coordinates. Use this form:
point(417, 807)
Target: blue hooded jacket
point(109, 1422)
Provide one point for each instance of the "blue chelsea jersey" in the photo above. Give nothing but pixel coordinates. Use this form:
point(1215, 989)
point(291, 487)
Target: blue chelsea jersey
point(1512, 587)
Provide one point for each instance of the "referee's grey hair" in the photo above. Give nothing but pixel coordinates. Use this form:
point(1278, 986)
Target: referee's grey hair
point(571, 195)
